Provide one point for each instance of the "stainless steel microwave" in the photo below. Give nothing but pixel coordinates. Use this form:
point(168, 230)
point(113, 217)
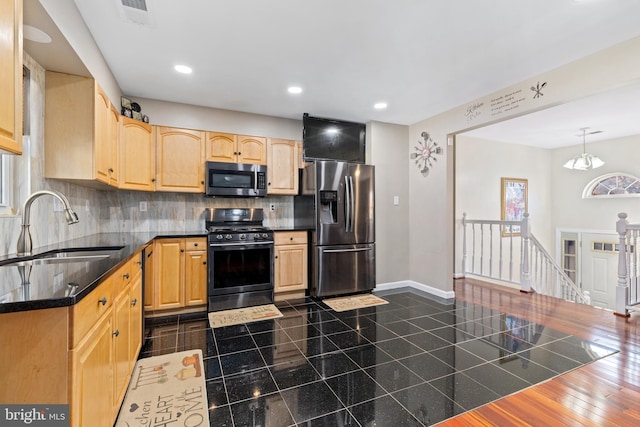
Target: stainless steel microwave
point(235, 179)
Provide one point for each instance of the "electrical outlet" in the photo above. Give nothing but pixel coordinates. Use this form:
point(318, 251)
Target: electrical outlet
point(57, 205)
point(143, 206)
point(272, 207)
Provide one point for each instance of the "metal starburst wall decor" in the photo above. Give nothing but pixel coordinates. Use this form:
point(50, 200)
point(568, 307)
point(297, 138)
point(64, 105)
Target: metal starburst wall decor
point(425, 153)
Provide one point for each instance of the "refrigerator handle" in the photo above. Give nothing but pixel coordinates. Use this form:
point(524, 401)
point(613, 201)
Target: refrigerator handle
point(347, 204)
point(352, 207)
point(326, 251)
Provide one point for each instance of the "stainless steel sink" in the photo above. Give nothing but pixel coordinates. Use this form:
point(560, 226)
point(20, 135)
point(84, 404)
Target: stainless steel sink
point(64, 255)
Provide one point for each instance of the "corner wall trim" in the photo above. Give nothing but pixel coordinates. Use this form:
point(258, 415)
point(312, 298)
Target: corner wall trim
point(419, 286)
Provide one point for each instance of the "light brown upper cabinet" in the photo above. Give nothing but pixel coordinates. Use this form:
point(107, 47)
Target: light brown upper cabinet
point(81, 128)
point(282, 166)
point(11, 76)
point(179, 160)
point(113, 143)
point(137, 155)
point(230, 148)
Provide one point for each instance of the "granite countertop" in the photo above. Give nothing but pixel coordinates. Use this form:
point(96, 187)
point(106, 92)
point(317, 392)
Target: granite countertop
point(38, 286)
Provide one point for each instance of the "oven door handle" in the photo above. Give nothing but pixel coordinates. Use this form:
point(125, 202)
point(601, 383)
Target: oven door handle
point(226, 245)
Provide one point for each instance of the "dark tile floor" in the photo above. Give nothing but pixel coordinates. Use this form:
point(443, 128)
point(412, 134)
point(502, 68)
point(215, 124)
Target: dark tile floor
point(415, 361)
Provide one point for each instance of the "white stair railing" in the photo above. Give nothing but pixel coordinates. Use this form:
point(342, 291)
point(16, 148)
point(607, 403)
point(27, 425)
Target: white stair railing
point(627, 288)
point(506, 251)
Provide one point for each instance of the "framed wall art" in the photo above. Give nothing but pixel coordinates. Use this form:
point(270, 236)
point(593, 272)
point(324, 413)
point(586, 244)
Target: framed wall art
point(514, 203)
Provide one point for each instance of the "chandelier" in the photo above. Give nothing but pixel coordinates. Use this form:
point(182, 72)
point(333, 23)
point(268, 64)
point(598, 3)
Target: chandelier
point(584, 161)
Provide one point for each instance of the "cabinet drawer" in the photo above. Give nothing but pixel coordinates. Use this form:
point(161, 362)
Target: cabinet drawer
point(88, 311)
point(290, 238)
point(122, 277)
point(199, 244)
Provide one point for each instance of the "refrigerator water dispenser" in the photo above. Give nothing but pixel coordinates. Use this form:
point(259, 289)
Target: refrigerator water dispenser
point(328, 207)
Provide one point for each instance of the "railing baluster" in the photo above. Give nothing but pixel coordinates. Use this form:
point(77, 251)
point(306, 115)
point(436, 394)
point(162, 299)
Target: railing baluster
point(473, 256)
point(511, 254)
point(491, 250)
point(500, 263)
point(464, 243)
point(481, 249)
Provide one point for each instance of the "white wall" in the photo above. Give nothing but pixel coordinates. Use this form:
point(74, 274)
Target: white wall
point(432, 214)
point(570, 210)
point(387, 142)
point(213, 119)
point(480, 165)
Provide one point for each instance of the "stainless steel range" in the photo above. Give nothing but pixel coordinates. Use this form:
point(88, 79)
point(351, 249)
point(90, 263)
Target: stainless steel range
point(240, 258)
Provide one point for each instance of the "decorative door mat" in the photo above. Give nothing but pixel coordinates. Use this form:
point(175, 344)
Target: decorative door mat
point(238, 316)
point(167, 390)
point(354, 302)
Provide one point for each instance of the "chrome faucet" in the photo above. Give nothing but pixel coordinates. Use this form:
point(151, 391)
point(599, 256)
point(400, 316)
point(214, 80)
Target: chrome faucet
point(24, 240)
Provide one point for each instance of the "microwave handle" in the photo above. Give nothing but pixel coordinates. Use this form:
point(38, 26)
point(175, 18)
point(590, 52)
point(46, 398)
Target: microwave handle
point(255, 181)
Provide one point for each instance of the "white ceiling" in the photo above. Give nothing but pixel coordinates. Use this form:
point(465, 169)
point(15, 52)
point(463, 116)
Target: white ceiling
point(421, 57)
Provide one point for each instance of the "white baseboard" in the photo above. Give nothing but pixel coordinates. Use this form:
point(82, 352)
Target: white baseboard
point(419, 286)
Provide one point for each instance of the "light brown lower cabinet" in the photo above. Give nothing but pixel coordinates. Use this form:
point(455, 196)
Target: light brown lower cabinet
point(103, 358)
point(290, 264)
point(180, 273)
point(81, 355)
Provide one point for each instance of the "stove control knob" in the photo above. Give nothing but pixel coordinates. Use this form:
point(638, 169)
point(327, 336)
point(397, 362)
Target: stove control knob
point(228, 237)
point(219, 237)
point(265, 235)
point(256, 236)
point(243, 237)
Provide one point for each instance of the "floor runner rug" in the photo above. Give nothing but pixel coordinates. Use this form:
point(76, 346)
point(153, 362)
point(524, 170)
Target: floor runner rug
point(166, 390)
point(238, 316)
point(354, 302)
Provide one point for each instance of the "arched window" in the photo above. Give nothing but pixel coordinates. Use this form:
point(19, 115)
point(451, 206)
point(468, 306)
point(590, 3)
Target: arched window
point(613, 185)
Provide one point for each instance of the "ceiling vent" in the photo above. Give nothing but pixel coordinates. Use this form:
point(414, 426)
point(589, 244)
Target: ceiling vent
point(136, 4)
point(135, 11)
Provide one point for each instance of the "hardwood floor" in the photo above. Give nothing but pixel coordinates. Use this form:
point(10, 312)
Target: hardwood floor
point(603, 393)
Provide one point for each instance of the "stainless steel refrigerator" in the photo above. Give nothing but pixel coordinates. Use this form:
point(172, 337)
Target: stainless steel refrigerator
point(337, 201)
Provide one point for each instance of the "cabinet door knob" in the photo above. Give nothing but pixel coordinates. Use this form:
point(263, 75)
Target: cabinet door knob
point(153, 180)
point(116, 332)
point(181, 250)
point(195, 244)
point(290, 238)
point(134, 302)
point(111, 170)
point(103, 300)
point(276, 257)
point(126, 276)
point(204, 262)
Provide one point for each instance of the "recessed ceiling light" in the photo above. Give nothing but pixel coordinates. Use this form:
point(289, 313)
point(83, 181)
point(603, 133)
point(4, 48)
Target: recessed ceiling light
point(294, 89)
point(35, 34)
point(380, 105)
point(183, 69)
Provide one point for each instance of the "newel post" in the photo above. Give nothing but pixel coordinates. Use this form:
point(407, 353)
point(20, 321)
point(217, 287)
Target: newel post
point(464, 244)
point(622, 288)
point(525, 275)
